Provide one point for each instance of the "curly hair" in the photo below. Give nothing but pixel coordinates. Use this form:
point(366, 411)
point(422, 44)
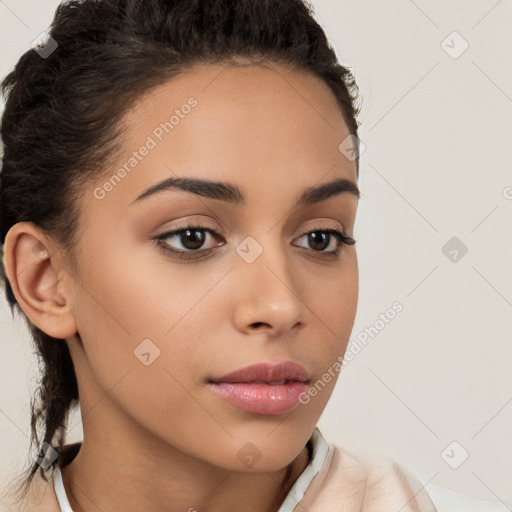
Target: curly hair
point(62, 125)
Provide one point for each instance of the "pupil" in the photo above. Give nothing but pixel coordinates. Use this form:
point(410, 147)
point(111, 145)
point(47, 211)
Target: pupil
point(194, 236)
point(314, 239)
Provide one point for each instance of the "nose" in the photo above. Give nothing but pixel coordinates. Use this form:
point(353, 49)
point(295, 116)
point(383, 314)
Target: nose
point(268, 294)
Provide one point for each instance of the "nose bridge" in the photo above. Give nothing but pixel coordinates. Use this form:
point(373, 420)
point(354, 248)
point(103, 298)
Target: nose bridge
point(265, 256)
point(269, 291)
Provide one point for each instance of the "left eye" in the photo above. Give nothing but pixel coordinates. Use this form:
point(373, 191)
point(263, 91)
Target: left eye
point(324, 238)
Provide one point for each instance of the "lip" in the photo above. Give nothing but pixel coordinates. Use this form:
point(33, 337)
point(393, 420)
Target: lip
point(250, 388)
point(266, 372)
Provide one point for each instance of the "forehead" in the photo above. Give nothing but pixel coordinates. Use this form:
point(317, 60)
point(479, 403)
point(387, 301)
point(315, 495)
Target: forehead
point(268, 85)
point(245, 125)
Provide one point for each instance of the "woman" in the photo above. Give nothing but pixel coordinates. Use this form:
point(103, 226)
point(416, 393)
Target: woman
point(179, 192)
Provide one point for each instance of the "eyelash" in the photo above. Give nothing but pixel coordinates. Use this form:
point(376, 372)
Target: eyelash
point(342, 238)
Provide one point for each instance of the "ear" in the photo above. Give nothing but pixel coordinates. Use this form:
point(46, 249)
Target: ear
point(39, 281)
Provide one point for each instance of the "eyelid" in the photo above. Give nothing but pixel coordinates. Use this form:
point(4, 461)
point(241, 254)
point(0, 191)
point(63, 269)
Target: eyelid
point(205, 226)
point(195, 221)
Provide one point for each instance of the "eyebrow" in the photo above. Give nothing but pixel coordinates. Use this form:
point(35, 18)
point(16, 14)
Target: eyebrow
point(234, 194)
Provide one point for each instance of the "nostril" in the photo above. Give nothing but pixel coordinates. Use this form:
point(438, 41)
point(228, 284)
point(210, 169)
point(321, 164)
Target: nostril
point(257, 324)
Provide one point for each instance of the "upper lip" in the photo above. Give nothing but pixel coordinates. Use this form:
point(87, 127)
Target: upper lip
point(266, 372)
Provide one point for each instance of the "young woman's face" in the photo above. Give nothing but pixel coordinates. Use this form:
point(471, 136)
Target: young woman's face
point(154, 328)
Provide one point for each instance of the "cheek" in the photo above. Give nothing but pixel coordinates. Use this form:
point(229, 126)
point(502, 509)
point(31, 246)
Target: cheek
point(140, 330)
point(133, 303)
point(333, 313)
point(332, 299)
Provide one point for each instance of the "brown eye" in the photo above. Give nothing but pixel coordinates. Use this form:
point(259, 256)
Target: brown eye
point(320, 239)
point(190, 241)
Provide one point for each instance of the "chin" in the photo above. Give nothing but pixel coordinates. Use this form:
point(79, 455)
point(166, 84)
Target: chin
point(265, 448)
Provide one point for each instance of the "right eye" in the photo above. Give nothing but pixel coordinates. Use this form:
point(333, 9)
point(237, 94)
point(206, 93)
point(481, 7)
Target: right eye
point(192, 238)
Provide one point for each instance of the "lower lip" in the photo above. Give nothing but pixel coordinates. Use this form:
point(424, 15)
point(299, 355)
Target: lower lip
point(261, 398)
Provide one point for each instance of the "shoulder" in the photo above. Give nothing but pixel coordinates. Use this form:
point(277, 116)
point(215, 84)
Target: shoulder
point(373, 482)
point(40, 496)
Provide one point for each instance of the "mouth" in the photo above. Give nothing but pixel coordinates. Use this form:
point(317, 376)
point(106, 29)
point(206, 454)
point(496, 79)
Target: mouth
point(275, 383)
point(263, 388)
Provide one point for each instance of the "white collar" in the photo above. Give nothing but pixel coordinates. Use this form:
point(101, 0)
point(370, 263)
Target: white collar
point(320, 451)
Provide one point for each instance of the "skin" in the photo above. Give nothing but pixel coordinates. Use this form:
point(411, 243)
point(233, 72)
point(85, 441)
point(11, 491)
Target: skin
point(156, 437)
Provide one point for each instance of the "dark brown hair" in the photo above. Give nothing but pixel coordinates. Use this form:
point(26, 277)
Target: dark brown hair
point(64, 105)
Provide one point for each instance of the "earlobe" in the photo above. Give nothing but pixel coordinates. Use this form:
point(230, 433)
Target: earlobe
point(35, 276)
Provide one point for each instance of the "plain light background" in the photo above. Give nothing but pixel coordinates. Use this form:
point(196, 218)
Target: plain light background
point(434, 385)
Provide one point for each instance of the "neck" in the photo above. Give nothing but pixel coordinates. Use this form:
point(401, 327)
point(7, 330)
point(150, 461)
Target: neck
point(91, 488)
